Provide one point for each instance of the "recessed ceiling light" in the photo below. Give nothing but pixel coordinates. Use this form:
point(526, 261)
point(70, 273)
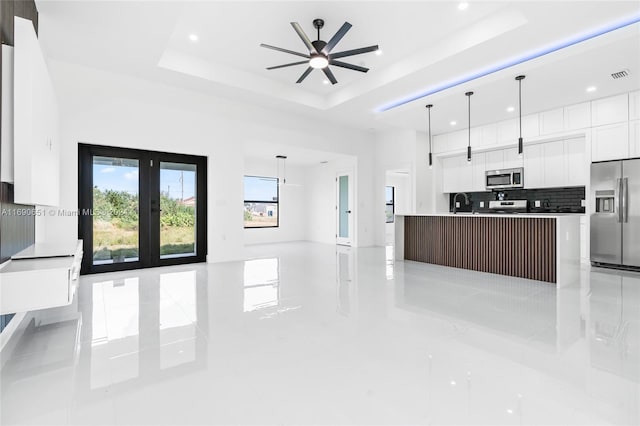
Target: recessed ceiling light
point(193, 37)
point(325, 81)
point(453, 123)
point(510, 109)
point(379, 52)
point(463, 6)
point(592, 89)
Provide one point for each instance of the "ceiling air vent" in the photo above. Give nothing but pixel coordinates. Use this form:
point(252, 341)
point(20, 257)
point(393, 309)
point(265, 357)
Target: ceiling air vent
point(620, 74)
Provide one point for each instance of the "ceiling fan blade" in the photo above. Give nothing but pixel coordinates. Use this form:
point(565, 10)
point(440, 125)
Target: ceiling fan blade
point(280, 49)
point(355, 52)
point(304, 75)
point(329, 75)
point(288, 65)
point(336, 38)
point(304, 37)
point(349, 66)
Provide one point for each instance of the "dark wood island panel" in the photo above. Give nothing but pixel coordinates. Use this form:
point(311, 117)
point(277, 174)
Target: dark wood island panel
point(518, 247)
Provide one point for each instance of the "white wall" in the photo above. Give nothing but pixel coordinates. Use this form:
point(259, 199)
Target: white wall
point(291, 204)
point(403, 150)
point(322, 196)
point(105, 108)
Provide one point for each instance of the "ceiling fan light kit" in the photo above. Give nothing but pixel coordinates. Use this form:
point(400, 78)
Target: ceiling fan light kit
point(320, 54)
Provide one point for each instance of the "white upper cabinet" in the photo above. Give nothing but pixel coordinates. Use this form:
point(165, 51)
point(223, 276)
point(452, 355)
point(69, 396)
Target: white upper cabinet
point(576, 164)
point(495, 160)
point(551, 121)
point(634, 138)
point(440, 142)
point(530, 126)
point(533, 166)
point(458, 140)
point(457, 174)
point(610, 142)
point(634, 105)
point(489, 135)
point(610, 110)
point(508, 132)
point(479, 167)
point(6, 126)
point(511, 158)
point(554, 164)
point(36, 143)
point(577, 116)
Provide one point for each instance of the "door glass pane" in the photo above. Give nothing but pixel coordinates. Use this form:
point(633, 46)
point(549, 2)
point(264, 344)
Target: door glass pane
point(344, 206)
point(178, 210)
point(116, 219)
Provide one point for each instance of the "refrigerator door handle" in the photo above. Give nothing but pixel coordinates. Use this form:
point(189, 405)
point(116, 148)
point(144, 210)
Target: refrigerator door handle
point(619, 200)
point(625, 201)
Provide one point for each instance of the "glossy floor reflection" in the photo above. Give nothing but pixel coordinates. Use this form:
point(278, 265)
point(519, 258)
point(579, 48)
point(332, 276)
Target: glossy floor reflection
point(306, 333)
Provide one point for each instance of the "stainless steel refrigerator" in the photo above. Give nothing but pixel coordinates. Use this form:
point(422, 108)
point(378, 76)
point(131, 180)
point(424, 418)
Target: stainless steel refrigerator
point(615, 213)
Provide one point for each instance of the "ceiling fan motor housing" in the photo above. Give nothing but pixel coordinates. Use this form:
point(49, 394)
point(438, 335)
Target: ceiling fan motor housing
point(319, 45)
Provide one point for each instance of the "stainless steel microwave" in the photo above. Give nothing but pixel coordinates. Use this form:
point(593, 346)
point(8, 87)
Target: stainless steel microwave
point(505, 179)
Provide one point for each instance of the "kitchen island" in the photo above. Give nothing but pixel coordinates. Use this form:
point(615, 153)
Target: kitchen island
point(540, 247)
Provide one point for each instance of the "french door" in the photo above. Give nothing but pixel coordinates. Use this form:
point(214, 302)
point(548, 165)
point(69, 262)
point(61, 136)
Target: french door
point(140, 209)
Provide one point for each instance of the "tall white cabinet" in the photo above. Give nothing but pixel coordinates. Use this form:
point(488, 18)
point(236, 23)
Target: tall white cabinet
point(36, 153)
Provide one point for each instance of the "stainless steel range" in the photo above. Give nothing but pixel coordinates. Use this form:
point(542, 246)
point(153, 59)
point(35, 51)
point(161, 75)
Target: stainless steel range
point(508, 206)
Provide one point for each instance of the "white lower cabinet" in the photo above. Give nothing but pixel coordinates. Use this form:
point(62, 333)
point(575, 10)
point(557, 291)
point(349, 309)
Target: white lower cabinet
point(610, 142)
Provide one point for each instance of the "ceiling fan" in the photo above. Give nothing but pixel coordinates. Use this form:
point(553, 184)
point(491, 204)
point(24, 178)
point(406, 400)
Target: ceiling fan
point(320, 56)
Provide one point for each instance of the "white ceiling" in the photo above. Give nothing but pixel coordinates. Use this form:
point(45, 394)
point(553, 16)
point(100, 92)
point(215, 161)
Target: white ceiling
point(426, 44)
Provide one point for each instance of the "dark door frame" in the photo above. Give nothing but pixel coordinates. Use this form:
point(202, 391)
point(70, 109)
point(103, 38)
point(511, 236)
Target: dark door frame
point(149, 206)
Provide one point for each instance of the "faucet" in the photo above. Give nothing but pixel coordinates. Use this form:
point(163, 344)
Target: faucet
point(466, 200)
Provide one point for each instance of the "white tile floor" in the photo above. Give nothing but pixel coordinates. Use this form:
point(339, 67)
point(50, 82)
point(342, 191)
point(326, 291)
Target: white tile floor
point(305, 335)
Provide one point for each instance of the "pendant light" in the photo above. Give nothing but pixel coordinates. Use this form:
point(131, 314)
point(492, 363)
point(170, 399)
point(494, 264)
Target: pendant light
point(468, 95)
point(430, 154)
point(520, 144)
point(284, 168)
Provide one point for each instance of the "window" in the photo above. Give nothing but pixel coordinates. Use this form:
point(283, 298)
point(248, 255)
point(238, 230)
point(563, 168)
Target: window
point(261, 202)
point(390, 200)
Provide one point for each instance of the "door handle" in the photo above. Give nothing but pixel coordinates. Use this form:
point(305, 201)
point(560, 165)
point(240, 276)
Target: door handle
point(348, 211)
point(625, 201)
point(619, 184)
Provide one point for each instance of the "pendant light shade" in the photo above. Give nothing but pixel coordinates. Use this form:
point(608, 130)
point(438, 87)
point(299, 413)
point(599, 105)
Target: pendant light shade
point(520, 144)
point(468, 95)
point(282, 158)
point(429, 133)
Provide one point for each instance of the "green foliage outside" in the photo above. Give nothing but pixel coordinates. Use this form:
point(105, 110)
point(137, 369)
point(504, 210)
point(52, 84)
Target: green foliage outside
point(115, 225)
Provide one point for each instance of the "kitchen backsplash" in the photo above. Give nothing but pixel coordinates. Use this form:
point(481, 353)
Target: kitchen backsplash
point(568, 200)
